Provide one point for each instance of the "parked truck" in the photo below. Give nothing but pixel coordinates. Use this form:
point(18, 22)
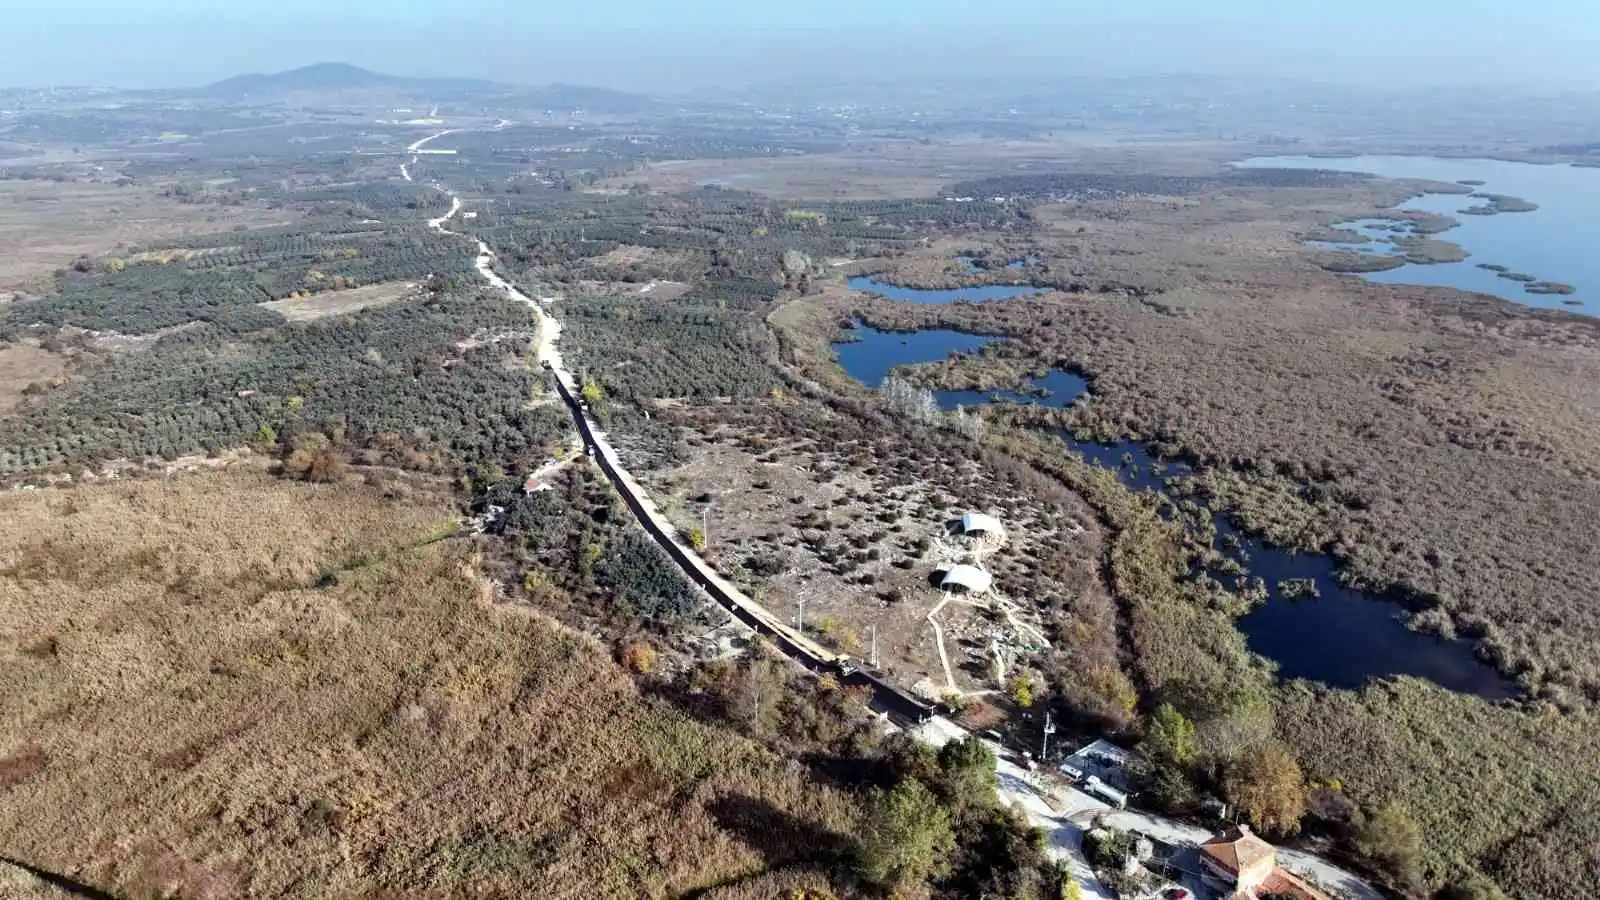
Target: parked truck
point(1095, 787)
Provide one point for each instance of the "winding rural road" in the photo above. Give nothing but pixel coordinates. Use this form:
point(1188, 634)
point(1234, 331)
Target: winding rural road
point(549, 355)
point(1017, 787)
point(417, 145)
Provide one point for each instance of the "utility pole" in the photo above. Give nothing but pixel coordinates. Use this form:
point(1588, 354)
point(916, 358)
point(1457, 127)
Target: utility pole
point(705, 527)
point(873, 660)
point(800, 620)
point(1049, 729)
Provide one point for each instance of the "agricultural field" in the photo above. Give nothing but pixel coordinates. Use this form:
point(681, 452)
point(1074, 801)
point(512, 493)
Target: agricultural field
point(891, 168)
point(25, 368)
point(440, 381)
point(225, 285)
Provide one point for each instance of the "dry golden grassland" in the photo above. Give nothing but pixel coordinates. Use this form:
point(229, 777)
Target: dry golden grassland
point(890, 169)
point(226, 685)
point(44, 226)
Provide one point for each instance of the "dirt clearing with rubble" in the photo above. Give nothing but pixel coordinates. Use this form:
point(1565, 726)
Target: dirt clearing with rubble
point(798, 502)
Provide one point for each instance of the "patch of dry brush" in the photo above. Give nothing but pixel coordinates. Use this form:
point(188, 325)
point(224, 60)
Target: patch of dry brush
point(233, 686)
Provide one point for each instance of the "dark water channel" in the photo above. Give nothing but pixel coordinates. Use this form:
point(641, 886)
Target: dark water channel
point(912, 295)
point(1342, 637)
point(970, 263)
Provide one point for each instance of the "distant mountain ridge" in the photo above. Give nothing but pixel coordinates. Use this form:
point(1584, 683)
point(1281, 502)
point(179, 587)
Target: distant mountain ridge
point(330, 77)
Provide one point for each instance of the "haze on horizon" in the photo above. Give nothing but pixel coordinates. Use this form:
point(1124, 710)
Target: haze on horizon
point(704, 45)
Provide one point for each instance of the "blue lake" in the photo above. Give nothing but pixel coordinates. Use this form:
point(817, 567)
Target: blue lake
point(876, 353)
point(1552, 243)
point(1343, 637)
point(915, 295)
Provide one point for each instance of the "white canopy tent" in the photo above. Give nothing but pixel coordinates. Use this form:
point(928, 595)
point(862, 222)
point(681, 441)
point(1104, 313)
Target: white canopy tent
point(975, 524)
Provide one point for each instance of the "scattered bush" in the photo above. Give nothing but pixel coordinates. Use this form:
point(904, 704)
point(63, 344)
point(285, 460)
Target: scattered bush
point(907, 838)
point(1268, 788)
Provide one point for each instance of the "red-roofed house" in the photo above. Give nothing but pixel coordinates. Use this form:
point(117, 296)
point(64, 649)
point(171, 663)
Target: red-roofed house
point(1237, 860)
point(1282, 884)
point(1245, 866)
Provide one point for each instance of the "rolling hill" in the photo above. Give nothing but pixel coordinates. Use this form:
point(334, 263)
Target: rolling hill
point(337, 78)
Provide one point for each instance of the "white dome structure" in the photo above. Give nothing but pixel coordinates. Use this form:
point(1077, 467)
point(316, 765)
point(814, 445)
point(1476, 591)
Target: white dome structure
point(967, 579)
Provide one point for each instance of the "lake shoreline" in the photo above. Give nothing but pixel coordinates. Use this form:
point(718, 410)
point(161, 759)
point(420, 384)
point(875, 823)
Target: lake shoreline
point(1525, 217)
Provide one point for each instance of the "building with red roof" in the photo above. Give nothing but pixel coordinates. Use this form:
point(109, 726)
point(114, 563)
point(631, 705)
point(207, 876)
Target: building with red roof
point(1242, 865)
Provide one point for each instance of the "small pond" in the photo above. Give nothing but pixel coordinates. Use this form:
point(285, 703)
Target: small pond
point(1342, 637)
point(916, 295)
point(874, 354)
point(1551, 243)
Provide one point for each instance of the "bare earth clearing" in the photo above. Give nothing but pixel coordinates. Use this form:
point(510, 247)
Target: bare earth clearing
point(338, 303)
point(811, 507)
point(24, 364)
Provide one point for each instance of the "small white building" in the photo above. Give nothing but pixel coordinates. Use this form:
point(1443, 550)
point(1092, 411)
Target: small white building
point(967, 579)
point(978, 525)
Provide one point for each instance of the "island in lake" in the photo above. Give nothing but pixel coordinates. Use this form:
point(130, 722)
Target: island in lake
point(1497, 204)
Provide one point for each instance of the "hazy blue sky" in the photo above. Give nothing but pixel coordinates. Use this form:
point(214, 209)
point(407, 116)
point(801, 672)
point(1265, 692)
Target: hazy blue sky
point(649, 44)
